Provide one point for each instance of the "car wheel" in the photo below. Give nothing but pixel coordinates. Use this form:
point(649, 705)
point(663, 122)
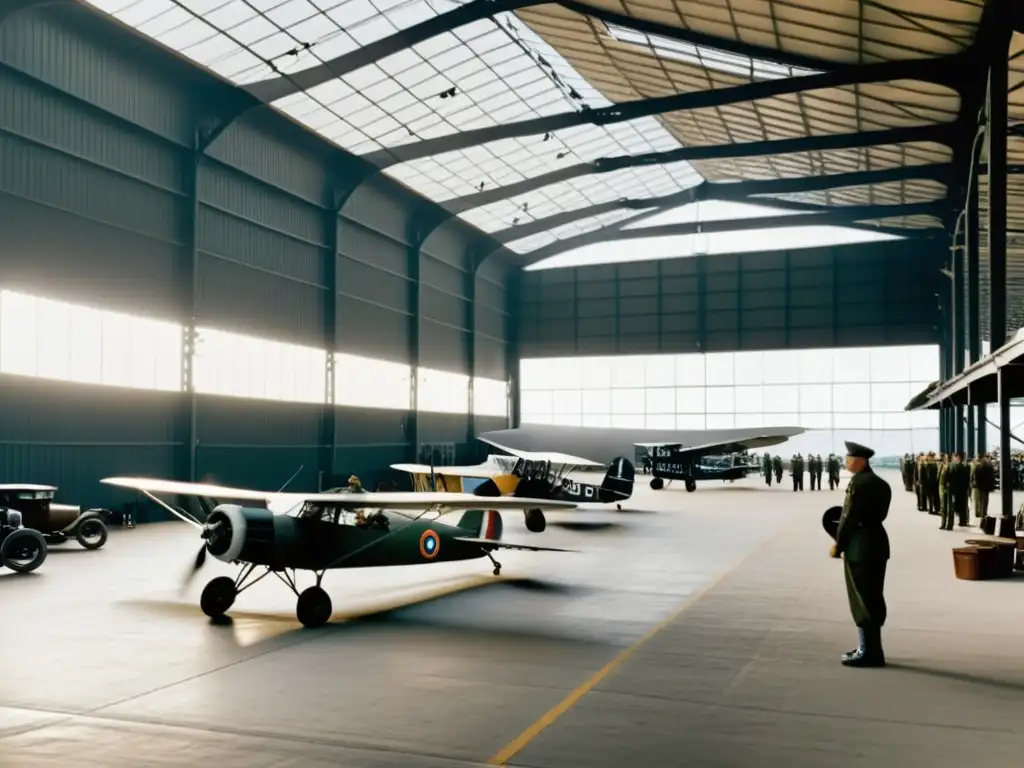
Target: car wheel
point(92, 533)
point(23, 551)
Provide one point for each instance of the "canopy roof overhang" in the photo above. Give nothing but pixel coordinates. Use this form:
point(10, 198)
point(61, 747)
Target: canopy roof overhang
point(979, 384)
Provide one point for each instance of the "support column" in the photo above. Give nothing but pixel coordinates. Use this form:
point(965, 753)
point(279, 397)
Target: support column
point(513, 349)
point(975, 414)
point(943, 370)
point(416, 238)
point(193, 162)
point(995, 137)
point(471, 279)
point(959, 342)
point(329, 416)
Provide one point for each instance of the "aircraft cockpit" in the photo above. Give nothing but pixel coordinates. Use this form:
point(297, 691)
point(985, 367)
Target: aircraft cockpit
point(331, 513)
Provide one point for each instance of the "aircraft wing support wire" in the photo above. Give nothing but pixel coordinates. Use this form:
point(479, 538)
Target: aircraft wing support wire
point(173, 511)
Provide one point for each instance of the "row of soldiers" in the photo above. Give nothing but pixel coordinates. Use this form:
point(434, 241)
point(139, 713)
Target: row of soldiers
point(943, 484)
point(815, 466)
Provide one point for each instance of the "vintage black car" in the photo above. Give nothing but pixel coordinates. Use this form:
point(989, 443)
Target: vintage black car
point(56, 522)
point(21, 549)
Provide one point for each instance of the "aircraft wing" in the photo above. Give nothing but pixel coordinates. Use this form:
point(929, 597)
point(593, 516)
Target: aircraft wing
point(553, 456)
point(478, 471)
point(395, 501)
point(496, 544)
point(732, 446)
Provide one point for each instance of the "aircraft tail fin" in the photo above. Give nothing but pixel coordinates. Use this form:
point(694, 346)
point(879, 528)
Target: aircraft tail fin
point(484, 523)
point(618, 481)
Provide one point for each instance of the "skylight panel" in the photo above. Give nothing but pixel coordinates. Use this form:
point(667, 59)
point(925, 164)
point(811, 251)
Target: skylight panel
point(707, 57)
point(500, 70)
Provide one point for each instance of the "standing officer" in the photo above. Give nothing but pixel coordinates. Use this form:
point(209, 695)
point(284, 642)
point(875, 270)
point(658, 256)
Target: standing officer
point(766, 468)
point(983, 482)
point(862, 542)
point(777, 466)
point(796, 469)
point(943, 486)
point(931, 483)
point(960, 486)
point(818, 467)
point(833, 471)
point(922, 501)
point(812, 466)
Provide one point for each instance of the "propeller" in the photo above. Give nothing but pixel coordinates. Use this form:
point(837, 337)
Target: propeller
point(213, 535)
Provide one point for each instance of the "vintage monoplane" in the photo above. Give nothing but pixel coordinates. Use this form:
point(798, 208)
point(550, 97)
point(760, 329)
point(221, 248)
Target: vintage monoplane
point(531, 474)
point(321, 531)
point(715, 461)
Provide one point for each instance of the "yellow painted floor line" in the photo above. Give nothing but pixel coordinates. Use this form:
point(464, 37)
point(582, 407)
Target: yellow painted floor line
point(519, 743)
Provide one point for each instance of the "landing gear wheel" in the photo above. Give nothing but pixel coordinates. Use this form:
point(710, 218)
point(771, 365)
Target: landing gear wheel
point(691, 485)
point(23, 551)
point(657, 484)
point(218, 596)
point(535, 521)
point(497, 570)
point(92, 533)
point(314, 609)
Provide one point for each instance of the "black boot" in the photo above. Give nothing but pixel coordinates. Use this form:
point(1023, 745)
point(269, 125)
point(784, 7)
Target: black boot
point(859, 650)
point(870, 654)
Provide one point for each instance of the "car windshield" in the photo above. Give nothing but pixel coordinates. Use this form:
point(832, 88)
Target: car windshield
point(23, 495)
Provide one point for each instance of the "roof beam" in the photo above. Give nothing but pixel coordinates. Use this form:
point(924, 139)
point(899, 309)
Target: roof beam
point(834, 216)
point(722, 191)
point(278, 87)
point(286, 85)
point(671, 32)
point(930, 70)
point(938, 133)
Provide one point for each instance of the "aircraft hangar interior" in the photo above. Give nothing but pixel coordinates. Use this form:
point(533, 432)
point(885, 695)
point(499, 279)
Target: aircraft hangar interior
point(597, 380)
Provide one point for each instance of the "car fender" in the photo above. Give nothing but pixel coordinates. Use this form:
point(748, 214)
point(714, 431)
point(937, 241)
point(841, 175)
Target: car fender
point(73, 525)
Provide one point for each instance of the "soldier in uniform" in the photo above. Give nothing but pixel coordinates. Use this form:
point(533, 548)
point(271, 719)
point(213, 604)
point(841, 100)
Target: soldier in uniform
point(983, 482)
point(766, 468)
point(911, 473)
point(812, 467)
point(931, 482)
point(943, 486)
point(818, 467)
point(796, 469)
point(833, 471)
point(777, 467)
point(959, 481)
point(863, 544)
point(922, 501)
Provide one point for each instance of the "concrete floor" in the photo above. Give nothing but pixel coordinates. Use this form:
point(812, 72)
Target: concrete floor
point(700, 629)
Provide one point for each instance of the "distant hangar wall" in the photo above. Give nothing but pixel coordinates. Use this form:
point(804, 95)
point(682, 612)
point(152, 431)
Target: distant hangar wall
point(852, 295)
point(103, 202)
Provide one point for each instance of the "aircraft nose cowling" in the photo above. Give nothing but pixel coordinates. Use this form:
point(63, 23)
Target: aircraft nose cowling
point(235, 533)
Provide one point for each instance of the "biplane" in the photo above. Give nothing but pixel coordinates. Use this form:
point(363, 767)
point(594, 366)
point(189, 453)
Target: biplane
point(539, 475)
point(322, 531)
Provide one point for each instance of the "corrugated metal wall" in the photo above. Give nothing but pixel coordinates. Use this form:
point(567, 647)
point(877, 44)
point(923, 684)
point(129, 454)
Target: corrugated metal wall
point(851, 295)
point(97, 137)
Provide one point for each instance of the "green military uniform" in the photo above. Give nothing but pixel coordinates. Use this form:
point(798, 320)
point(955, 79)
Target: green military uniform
point(766, 467)
point(931, 483)
point(833, 471)
point(777, 467)
point(943, 496)
point(983, 482)
point(812, 468)
point(919, 483)
point(819, 466)
point(958, 480)
point(863, 544)
point(796, 469)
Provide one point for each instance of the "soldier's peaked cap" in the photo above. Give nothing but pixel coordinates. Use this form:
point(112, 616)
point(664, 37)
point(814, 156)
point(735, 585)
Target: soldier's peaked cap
point(858, 450)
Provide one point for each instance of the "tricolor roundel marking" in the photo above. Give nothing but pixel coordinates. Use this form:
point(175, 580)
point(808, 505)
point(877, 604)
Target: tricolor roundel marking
point(430, 544)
